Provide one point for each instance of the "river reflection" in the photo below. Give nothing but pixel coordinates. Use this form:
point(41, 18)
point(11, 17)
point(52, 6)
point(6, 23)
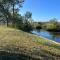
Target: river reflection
point(50, 35)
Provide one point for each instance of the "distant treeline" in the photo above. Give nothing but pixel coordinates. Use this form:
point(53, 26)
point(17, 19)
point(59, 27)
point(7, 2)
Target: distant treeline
point(51, 25)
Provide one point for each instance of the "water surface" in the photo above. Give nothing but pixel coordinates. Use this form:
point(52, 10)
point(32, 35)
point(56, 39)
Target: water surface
point(55, 36)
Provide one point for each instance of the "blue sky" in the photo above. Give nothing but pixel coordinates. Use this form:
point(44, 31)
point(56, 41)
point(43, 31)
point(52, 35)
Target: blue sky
point(42, 10)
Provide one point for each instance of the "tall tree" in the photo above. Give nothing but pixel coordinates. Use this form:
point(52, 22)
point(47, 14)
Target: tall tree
point(28, 15)
point(15, 6)
point(27, 22)
point(6, 6)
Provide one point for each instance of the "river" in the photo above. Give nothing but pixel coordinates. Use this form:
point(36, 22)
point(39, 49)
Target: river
point(55, 36)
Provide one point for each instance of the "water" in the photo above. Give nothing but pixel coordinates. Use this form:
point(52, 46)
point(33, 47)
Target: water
point(55, 36)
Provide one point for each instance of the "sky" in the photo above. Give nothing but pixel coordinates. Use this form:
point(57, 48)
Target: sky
point(42, 10)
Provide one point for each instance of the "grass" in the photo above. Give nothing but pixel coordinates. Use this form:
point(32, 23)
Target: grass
point(16, 44)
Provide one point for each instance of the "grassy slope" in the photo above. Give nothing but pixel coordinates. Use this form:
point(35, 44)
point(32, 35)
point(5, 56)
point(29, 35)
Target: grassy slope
point(19, 42)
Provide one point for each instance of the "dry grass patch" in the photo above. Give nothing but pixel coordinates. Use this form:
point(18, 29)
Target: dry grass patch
point(14, 40)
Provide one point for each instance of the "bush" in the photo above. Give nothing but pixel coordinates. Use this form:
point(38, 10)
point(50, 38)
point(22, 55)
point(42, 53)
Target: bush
point(27, 27)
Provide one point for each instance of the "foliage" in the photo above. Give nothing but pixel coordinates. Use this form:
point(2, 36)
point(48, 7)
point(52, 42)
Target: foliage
point(28, 15)
point(19, 22)
point(27, 21)
point(52, 24)
point(27, 26)
point(39, 24)
point(9, 6)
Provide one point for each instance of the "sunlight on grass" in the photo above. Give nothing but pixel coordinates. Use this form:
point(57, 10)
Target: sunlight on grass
point(14, 40)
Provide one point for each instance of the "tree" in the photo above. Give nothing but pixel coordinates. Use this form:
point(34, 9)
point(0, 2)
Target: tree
point(27, 21)
point(8, 6)
point(28, 15)
point(51, 25)
point(14, 4)
point(19, 21)
point(4, 9)
point(54, 21)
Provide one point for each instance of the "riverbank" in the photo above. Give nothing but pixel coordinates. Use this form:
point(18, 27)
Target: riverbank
point(54, 36)
point(16, 44)
point(48, 39)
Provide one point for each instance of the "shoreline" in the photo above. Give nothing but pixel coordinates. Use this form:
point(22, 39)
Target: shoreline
point(47, 39)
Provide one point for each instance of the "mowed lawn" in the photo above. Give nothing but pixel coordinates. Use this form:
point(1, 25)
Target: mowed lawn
point(13, 41)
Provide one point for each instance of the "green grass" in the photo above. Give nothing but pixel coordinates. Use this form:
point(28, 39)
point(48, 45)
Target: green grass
point(19, 42)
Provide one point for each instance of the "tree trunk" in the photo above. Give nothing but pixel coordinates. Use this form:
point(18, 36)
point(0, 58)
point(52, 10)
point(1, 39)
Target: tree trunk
point(7, 17)
point(7, 21)
point(13, 22)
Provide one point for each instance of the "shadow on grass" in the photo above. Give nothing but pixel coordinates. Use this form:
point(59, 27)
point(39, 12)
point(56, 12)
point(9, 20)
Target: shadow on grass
point(12, 56)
